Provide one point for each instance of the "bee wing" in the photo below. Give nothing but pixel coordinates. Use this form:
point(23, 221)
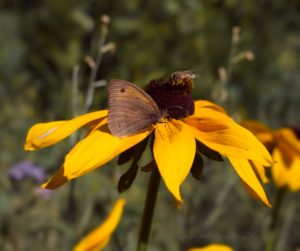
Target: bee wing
point(130, 109)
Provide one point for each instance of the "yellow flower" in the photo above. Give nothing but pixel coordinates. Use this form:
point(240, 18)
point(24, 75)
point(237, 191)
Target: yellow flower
point(213, 247)
point(174, 146)
point(98, 239)
point(284, 146)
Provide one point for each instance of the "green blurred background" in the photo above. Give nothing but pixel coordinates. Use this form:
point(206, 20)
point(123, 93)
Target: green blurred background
point(247, 56)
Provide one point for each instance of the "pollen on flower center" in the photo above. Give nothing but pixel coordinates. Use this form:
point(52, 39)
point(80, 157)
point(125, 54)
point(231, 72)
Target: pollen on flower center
point(173, 94)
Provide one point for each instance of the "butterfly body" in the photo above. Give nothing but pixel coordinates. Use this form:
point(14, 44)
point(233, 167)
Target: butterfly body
point(131, 109)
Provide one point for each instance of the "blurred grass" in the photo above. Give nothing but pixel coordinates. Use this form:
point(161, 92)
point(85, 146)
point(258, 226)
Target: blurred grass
point(41, 42)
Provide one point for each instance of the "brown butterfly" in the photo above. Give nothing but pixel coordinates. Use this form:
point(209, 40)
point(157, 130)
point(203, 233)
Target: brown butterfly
point(131, 109)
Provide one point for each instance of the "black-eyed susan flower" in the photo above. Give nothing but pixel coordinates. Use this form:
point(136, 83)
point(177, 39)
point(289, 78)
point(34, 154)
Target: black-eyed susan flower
point(284, 145)
point(98, 238)
point(184, 129)
point(212, 247)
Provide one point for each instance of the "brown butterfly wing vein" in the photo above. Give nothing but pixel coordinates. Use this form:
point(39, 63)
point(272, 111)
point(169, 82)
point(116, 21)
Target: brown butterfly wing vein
point(131, 109)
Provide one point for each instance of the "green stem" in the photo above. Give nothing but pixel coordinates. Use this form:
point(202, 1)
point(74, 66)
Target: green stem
point(271, 237)
point(72, 205)
point(149, 210)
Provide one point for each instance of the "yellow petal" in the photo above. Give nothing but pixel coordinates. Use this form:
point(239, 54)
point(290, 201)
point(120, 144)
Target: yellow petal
point(294, 180)
point(246, 173)
point(200, 104)
point(174, 151)
point(96, 150)
point(264, 134)
point(220, 133)
point(212, 247)
point(99, 237)
point(279, 169)
point(288, 142)
point(45, 134)
point(259, 170)
point(255, 127)
point(57, 180)
point(283, 174)
point(96, 126)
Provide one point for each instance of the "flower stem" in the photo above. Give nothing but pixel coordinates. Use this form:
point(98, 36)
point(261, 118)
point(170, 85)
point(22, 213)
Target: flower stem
point(149, 210)
point(271, 237)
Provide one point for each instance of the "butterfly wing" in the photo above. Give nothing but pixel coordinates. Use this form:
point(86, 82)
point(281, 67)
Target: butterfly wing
point(131, 109)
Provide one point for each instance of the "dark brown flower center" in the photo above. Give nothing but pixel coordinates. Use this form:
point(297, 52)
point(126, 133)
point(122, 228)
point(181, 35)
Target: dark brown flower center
point(173, 94)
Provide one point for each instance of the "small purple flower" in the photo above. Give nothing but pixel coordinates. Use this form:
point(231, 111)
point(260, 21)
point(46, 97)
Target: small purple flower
point(43, 193)
point(27, 169)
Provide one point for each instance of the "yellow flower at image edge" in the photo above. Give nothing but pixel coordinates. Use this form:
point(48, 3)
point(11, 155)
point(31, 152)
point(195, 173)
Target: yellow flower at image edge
point(174, 146)
point(284, 146)
point(98, 239)
point(212, 247)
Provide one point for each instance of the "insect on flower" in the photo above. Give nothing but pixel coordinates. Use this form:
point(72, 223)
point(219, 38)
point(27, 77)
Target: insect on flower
point(183, 78)
point(183, 130)
point(132, 110)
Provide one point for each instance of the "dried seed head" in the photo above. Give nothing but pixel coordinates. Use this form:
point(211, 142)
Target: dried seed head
point(105, 19)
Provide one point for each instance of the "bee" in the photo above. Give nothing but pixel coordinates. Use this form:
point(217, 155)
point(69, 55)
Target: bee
point(183, 78)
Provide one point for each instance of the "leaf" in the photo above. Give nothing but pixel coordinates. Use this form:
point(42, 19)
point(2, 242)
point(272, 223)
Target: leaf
point(197, 167)
point(148, 167)
point(209, 153)
point(127, 178)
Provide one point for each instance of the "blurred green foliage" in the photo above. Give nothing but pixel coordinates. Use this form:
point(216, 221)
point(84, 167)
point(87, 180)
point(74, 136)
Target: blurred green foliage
point(42, 41)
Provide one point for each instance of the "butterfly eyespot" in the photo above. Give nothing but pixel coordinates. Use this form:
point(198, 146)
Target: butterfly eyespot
point(122, 90)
